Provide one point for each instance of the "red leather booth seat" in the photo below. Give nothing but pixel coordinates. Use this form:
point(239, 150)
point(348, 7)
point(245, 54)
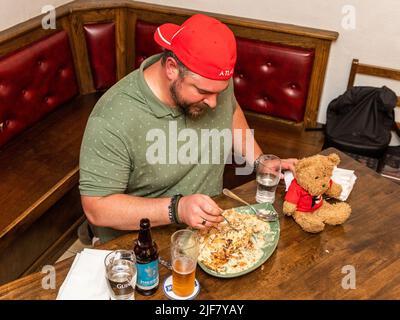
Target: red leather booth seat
point(269, 79)
point(100, 40)
point(145, 46)
point(273, 79)
point(33, 81)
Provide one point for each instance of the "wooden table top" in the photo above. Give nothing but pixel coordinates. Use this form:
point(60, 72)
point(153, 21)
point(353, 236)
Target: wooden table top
point(303, 266)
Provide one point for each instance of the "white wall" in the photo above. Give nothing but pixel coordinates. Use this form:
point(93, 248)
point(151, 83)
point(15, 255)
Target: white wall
point(13, 12)
point(375, 40)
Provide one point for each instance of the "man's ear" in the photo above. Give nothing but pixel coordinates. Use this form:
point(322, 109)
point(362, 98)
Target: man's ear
point(171, 69)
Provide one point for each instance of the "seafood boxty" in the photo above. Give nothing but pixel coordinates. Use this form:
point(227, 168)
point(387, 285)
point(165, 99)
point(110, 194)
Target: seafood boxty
point(227, 251)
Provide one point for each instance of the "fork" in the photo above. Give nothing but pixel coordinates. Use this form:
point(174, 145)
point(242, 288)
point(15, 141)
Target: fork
point(230, 225)
point(261, 215)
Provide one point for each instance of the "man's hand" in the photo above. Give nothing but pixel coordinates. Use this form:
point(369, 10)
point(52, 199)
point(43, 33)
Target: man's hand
point(199, 211)
point(288, 164)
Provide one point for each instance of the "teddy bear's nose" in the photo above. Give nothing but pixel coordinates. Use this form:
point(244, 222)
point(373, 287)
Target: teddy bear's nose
point(323, 186)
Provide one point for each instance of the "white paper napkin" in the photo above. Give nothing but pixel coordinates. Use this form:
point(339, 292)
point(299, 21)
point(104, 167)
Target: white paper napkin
point(86, 279)
point(346, 178)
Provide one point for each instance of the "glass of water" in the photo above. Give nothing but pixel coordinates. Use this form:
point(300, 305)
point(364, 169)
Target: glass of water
point(121, 274)
point(268, 174)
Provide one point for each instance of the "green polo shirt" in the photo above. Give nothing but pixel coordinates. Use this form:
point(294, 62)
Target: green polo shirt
point(135, 144)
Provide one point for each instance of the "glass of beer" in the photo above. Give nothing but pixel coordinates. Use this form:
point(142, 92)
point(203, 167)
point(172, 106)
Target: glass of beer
point(185, 248)
point(121, 274)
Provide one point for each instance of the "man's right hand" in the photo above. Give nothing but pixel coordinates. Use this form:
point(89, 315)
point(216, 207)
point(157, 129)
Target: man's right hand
point(199, 211)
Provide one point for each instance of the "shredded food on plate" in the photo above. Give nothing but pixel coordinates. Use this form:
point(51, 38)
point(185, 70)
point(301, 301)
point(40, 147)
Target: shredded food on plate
point(227, 251)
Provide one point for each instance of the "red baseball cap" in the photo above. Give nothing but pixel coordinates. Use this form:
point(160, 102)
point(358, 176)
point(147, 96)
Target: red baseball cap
point(203, 44)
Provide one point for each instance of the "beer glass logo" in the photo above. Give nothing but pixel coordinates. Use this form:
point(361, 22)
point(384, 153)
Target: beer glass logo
point(123, 285)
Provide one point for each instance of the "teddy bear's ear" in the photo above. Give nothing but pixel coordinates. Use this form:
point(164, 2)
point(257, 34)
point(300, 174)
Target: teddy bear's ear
point(301, 164)
point(334, 158)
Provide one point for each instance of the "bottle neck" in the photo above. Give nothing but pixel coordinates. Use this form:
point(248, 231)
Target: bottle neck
point(144, 238)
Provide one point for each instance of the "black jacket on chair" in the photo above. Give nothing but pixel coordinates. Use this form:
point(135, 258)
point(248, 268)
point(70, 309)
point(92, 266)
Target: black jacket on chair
point(359, 121)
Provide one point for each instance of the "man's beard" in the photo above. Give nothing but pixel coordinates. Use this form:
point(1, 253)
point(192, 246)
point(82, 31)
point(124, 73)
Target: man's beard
point(192, 110)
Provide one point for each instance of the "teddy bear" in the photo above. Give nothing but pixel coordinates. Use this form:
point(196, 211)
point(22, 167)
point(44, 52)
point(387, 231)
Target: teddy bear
point(304, 199)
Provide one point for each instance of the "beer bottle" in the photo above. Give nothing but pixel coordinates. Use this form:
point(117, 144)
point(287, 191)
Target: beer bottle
point(146, 253)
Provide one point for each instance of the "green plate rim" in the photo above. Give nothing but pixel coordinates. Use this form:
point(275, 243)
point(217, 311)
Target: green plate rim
point(264, 258)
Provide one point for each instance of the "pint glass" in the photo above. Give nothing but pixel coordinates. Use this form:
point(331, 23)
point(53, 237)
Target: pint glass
point(121, 274)
point(184, 253)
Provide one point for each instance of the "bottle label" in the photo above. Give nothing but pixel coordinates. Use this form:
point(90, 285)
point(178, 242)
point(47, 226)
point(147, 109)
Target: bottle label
point(147, 275)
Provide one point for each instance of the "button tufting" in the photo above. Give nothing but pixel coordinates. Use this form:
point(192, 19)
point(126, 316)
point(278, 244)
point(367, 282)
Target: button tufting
point(269, 64)
point(293, 86)
point(241, 76)
point(3, 125)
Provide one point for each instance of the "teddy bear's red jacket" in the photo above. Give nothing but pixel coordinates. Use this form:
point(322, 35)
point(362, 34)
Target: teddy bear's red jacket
point(304, 201)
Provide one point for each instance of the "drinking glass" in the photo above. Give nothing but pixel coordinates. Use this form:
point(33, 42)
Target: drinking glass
point(185, 248)
point(121, 274)
point(268, 173)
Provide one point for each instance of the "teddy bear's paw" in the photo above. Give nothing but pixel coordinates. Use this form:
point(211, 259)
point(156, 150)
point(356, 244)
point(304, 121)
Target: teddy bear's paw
point(309, 222)
point(338, 213)
point(334, 191)
point(288, 208)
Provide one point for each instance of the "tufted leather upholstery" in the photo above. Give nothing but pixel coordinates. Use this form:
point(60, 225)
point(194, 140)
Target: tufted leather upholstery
point(33, 81)
point(100, 40)
point(144, 43)
point(273, 79)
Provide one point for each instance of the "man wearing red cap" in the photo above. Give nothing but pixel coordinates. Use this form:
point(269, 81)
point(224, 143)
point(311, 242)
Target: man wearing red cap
point(183, 91)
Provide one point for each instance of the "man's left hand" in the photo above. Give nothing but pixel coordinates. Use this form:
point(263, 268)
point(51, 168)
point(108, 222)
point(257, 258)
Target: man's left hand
point(288, 164)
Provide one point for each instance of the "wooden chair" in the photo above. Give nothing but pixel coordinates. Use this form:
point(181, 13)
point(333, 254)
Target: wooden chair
point(370, 70)
point(382, 72)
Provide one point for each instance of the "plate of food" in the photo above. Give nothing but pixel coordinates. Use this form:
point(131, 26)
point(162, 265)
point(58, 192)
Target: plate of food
point(227, 253)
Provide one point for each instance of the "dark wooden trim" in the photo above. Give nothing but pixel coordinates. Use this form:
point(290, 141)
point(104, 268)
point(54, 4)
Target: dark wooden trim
point(26, 39)
point(251, 114)
point(51, 255)
point(120, 45)
point(87, 5)
point(353, 71)
point(31, 214)
point(130, 40)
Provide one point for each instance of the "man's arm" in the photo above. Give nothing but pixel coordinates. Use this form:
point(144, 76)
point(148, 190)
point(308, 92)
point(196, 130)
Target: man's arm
point(239, 122)
point(123, 212)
